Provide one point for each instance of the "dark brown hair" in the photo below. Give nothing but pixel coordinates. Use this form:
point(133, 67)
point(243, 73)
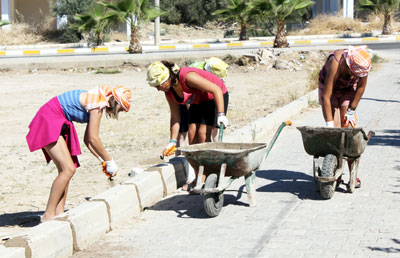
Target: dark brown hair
point(172, 75)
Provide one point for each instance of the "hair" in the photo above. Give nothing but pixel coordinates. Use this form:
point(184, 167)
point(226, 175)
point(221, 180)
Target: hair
point(172, 75)
point(112, 111)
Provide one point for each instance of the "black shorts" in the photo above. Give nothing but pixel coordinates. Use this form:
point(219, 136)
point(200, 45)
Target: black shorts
point(206, 112)
point(184, 123)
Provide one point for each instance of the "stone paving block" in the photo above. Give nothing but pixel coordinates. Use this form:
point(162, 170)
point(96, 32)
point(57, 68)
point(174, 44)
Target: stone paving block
point(12, 252)
point(149, 187)
point(89, 221)
point(122, 204)
point(49, 239)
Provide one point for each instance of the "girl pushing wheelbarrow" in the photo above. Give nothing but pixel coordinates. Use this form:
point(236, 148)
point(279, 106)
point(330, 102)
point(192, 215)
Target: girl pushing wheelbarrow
point(342, 82)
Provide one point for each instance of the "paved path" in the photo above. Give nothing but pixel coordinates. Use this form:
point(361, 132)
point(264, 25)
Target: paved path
point(291, 219)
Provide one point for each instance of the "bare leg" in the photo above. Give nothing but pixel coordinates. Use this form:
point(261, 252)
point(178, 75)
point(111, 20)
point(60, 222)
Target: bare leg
point(215, 134)
point(61, 157)
point(209, 133)
point(343, 110)
point(336, 117)
point(202, 133)
point(192, 134)
point(61, 205)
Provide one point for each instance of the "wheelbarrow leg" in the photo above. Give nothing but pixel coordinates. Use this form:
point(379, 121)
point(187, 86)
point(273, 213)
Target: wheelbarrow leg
point(353, 175)
point(316, 173)
point(250, 179)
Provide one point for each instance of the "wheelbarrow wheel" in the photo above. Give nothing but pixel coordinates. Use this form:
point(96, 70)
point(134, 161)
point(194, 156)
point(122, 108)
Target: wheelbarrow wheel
point(213, 202)
point(329, 164)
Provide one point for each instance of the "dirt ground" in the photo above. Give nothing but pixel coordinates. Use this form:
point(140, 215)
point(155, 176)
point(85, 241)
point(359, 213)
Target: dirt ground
point(135, 140)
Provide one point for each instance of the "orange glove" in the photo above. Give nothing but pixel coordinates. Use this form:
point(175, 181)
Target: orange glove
point(170, 148)
point(109, 168)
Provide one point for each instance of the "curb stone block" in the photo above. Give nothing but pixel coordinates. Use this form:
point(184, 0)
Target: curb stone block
point(168, 175)
point(88, 221)
point(149, 188)
point(49, 239)
point(122, 204)
point(12, 252)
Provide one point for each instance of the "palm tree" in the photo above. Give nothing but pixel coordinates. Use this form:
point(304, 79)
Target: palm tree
point(279, 11)
point(93, 20)
point(237, 11)
point(2, 23)
point(132, 11)
point(385, 7)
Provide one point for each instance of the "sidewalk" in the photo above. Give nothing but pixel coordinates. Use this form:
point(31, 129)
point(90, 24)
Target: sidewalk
point(291, 219)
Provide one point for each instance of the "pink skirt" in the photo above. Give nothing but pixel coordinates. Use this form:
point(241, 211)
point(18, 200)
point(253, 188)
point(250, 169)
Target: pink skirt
point(46, 128)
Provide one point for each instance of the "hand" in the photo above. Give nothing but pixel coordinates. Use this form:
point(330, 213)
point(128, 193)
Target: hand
point(170, 148)
point(110, 168)
point(330, 124)
point(222, 119)
point(350, 118)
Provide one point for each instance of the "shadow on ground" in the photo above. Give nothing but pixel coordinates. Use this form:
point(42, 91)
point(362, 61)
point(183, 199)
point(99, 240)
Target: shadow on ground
point(294, 182)
point(382, 100)
point(388, 250)
point(21, 219)
point(386, 138)
point(191, 206)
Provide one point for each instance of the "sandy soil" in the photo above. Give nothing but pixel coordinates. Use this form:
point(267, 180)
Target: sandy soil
point(135, 140)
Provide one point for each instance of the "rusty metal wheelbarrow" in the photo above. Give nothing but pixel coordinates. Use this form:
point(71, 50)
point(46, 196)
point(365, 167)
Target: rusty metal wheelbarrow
point(230, 159)
point(335, 145)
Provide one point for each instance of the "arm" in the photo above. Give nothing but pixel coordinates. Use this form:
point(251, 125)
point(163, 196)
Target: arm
point(92, 139)
point(175, 118)
point(193, 80)
point(362, 83)
point(328, 88)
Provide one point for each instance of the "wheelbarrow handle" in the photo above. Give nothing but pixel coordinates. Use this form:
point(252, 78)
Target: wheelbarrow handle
point(221, 132)
point(289, 123)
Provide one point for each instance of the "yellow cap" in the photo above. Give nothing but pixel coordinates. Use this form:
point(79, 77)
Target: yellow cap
point(216, 66)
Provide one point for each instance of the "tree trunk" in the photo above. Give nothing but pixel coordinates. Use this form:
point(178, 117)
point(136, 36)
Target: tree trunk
point(387, 24)
point(243, 32)
point(99, 39)
point(134, 44)
point(280, 37)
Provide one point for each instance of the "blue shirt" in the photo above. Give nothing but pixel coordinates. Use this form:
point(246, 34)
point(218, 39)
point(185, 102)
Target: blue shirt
point(72, 108)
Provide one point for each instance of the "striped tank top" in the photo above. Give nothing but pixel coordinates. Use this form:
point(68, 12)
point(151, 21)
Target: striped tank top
point(72, 108)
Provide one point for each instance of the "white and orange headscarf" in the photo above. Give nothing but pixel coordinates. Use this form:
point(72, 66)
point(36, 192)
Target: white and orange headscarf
point(123, 96)
point(99, 97)
point(358, 60)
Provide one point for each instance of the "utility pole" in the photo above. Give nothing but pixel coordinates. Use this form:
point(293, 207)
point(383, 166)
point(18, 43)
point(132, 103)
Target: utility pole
point(157, 25)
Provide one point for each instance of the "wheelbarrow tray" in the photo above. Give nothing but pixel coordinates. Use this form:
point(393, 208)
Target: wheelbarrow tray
point(321, 141)
point(240, 158)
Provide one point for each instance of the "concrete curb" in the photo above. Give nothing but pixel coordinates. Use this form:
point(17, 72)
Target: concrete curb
point(79, 227)
point(67, 50)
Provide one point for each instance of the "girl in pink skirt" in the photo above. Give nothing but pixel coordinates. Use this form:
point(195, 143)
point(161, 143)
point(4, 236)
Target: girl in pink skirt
point(53, 131)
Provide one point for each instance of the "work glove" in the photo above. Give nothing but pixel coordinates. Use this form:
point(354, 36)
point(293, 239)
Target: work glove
point(170, 148)
point(222, 119)
point(330, 124)
point(350, 118)
point(110, 168)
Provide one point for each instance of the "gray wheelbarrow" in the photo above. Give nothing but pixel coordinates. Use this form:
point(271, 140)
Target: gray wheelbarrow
point(335, 145)
point(217, 160)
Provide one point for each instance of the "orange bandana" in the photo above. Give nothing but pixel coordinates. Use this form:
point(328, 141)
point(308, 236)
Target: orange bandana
point(123, 96)
point(358, 60)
